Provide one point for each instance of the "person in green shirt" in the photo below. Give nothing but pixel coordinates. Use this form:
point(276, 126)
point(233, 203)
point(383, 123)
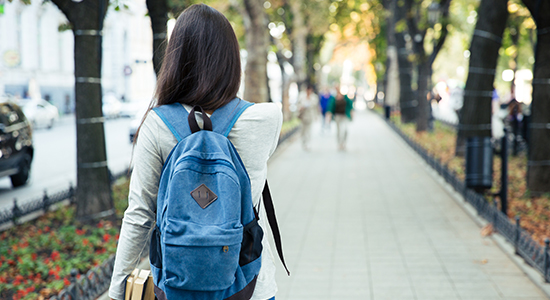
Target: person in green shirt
point(340, 108)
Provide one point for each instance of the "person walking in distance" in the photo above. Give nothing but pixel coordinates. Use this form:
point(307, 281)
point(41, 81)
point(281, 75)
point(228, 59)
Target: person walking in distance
point(341, 109)
point(308, 109)
point(324, 99)
point(198, 82)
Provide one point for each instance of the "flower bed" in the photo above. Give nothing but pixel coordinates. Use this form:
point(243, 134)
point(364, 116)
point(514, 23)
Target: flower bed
point(534, 212)
point(36, 258)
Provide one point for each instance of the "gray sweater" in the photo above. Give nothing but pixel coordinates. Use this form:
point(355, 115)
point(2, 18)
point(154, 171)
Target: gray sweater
point(254, 135)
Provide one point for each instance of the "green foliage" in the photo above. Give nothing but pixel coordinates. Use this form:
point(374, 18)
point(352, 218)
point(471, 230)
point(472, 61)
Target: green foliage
point(36, 257)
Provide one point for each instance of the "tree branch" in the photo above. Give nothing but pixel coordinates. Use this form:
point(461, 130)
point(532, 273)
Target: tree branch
point(67, 7)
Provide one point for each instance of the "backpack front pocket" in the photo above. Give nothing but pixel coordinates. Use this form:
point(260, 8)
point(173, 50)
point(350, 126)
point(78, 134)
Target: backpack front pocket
point(206, 262)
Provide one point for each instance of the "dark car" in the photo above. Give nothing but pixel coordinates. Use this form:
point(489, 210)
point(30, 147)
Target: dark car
point(16, 149)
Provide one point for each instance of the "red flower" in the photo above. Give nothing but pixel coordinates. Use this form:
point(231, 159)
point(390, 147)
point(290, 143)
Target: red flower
point(34, 256)
point(117, 236)
point(55, 255)
point(30, 289)
point(85, 242)
point(15, 248)
point(11, 262)
point(106, 237)
point(100, 224)
point(66, 281)
point(58, 268)
point(57, 277)
point(47, 229)
point(80, 231)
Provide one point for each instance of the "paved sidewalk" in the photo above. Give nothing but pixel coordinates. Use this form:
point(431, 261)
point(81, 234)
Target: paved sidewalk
point(372, 223)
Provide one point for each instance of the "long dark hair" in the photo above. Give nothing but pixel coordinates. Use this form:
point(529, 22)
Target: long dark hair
point(202, 64)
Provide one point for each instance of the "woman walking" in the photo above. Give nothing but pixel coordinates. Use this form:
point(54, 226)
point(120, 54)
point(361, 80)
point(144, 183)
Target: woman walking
point(201, 68)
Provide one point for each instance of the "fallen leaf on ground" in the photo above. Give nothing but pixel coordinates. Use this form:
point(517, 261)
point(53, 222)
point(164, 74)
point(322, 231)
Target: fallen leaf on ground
point(487, 230)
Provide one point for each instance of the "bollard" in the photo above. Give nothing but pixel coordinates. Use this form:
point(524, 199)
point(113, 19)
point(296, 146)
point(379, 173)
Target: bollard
point(546, 247)
point(516, 242)
point(495, 215)
point(16, 212)
point(73, 289)
point(72, 197)
point(504, 174)
point(45, 202)
point(387, 111)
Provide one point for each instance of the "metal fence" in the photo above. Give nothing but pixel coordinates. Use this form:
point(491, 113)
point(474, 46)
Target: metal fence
point(17, 211)
point(97, 281)
point(89, 286)
point(532, 252)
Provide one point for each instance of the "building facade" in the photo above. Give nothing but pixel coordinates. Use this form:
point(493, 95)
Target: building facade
point(37, 53)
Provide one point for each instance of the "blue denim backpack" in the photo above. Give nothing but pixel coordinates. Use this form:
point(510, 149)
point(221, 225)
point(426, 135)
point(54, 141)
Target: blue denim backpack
point(207, 241)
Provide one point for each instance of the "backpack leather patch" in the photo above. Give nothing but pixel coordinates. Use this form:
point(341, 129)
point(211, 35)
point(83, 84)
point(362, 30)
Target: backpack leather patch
point(203, 196)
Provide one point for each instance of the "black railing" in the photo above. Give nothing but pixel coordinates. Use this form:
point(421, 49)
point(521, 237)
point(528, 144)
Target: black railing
point(532, 252)
point(17, 211)
point(97, 281)
point(90, 286)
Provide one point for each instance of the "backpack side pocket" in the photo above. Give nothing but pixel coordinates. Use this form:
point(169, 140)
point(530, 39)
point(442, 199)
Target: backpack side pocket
point(251, 247)
point(155, 254)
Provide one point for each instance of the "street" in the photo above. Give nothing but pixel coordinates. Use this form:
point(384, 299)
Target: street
point(54, 163)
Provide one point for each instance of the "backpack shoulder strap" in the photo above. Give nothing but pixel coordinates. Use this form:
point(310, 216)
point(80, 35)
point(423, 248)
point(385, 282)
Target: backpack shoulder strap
point(226, 116)
point(175, 117)
point(270, 212)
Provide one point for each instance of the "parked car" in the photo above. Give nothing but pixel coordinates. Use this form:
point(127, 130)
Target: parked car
point(39, 112)
point(16, 148)
point(111, 106)
point(136, 121)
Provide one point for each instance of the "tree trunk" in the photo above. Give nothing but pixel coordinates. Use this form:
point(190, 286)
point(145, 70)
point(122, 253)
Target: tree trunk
point(407, 97)
point(391, 76)
point(93, 192)
point(314, 44)
point(256, 47)
point(538, 170)
point(158, 12)
point(423, 110)
point(299, 43)
point(475, 115)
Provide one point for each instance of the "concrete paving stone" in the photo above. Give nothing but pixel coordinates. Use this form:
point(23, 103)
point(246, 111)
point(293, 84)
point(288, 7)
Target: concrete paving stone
point(394, 292)
point(387, 234)
point(435, 292)
point(525, 298)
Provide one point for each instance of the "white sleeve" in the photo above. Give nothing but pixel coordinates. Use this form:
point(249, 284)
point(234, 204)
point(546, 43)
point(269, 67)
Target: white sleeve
point(255, 136)
point(140, 216)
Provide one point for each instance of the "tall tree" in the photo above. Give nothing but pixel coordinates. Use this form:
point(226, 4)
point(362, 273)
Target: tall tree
point(257, 42)
point(538, 171)
point(475, 115)
point(419, 25)
point(158, 12)
point(93, 192)
point(299, 42)
point(407, 97)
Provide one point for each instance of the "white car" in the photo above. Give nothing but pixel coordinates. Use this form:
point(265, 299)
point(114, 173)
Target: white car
point(111, 106)
point(39, 112)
